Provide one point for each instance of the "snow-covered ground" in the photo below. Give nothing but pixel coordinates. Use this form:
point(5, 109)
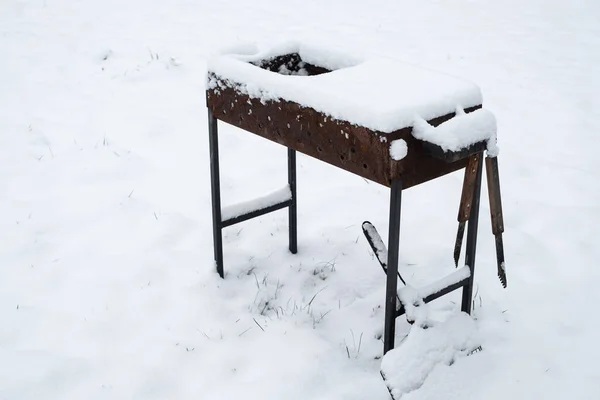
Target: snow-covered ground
point(107, 283)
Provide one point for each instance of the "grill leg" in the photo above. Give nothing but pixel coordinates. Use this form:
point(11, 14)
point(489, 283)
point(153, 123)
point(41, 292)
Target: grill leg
point(215, 188)
point(467, 295)
point(293, 208)
point(392, 269)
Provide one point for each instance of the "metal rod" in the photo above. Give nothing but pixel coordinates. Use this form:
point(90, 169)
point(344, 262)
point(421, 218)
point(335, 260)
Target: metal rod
point(460, 233)
point(392, 267)
point(256, 213)
point(467, 295)
point(437, 295)
point(293, 207)
point(215, 188)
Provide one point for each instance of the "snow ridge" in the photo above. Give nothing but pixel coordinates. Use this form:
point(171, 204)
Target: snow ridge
point(460, 132)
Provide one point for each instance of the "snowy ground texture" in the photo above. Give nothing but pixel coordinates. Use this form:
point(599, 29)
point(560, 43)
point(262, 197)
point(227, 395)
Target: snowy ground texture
point(107, 283)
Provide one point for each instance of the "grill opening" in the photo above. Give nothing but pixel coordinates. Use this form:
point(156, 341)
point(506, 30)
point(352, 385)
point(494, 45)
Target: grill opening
point(291, 64)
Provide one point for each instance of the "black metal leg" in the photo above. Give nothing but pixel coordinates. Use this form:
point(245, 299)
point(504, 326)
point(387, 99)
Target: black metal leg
point(215, 187)
point(392, 268)
point(467, 295)
point(293, 208)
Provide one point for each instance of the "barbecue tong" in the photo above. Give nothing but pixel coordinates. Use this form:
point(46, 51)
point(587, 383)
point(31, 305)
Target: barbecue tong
point(493, 183)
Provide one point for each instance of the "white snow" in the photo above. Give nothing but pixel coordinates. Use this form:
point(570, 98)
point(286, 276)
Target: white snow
point(412, 298)
point(107, 282)
point(459, 132)
point(378, 93)
point(380, 247)
point(438, 346)
point(460, 274)
point(276, 197)
point(398, 149)
point(240, 55)
point(415, 309)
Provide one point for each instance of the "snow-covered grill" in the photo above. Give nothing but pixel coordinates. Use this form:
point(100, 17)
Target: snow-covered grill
point(348, 145)
point(388, 122)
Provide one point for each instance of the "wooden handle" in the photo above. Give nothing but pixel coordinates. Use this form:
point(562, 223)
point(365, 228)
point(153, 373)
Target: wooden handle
point(493, 183)
point(464, 210)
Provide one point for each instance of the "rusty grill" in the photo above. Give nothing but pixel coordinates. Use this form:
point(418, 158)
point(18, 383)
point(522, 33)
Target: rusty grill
point(354, 148)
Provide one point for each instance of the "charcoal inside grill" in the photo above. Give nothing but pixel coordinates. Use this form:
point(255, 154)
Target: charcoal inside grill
point(291, 64)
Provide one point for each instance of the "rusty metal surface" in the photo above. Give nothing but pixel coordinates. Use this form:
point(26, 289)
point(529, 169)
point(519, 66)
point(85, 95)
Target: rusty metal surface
point(418, 166)
point(356, 149)
point(450, 156)
point(353, 148)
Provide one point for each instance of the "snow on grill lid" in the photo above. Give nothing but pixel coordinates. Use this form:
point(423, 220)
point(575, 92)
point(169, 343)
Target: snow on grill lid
point(377, 93)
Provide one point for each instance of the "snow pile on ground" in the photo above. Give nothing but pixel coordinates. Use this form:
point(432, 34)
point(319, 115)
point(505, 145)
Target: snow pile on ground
point(406, 368)
point(108, 288)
